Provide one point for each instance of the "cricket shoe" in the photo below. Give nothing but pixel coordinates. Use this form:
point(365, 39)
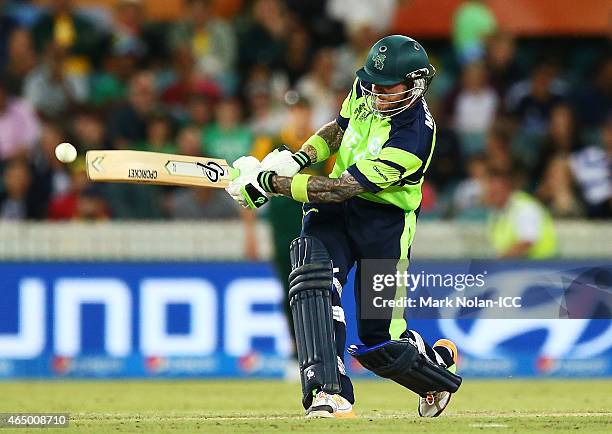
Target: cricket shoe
point(326, 405)
point(434, 404)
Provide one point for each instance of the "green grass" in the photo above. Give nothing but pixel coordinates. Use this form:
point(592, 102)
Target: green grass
point(274, 407)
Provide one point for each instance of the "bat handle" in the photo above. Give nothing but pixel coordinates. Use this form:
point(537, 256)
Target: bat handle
point(234, 173)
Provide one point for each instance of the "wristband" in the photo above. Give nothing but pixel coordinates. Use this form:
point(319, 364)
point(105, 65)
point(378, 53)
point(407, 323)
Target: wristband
point(320, 146)
point(299, 187)
point(302, 158)
point(264, 179)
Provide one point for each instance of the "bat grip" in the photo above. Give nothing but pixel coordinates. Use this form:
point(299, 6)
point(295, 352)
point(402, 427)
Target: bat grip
point(234, 173)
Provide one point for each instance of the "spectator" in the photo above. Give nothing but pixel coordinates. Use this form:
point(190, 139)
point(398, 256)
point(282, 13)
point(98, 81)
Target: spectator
point(556, 189)
point(134, 201)
point(501, 63)
point(531, 101)
point(108, 85)
point(159, 135)
point(264, 39)
point(519, 226)
point(594, 99)
point(199, 112)
point(562, 138)
point(127, 124)
point(350, 55)
point(91, 205)
point(51, 178)
point(187, 82)
point(202, 204)
point(21, 60)
point(298, 50)
point(89, 131)
point(128, 28)
point(430, 204)
point(592, 169)
point(7, 25)
point(83, 201)
point(318, 87)
point(50, 89)
point(15, 202)
point(212, 43)
point(377, 14)
point(298, 127)
point(475, 108)
point(227, 137)
point(449, 165)
point(323, 29)
point(498, 149)
point(63, 27)
point(266, 116)
point(467, 198)
point(19, 126)
point(473, 21)
point(64, 205)
point(188, 141)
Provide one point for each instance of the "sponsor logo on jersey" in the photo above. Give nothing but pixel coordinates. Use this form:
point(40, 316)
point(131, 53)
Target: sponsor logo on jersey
point(375, 146)
point(382, 175)
point(361, 112)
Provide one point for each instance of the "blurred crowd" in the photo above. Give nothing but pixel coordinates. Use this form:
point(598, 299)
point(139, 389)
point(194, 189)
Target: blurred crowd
point(225, 82)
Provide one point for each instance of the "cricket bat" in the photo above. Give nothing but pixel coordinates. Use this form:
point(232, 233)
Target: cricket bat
point(157, 168)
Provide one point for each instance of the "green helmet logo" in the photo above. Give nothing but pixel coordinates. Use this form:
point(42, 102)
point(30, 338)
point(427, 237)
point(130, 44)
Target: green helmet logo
point(393, 60)
point(379, 61)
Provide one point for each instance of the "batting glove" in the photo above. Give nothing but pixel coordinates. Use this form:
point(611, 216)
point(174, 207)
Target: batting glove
point(245, 189)
point(285, 163)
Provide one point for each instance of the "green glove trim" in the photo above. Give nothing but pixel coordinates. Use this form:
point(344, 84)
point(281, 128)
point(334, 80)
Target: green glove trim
point(302, 158)
point(265, 181)
point(254, 198)
point(233, 173)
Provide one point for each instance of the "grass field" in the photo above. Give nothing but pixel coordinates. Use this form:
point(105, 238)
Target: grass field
point(234, 406)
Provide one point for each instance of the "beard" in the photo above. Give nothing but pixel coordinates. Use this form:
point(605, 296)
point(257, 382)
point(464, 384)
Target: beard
point(385, 105)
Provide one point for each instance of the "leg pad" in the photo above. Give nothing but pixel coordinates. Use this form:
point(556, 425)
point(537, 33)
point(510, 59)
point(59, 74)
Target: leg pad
point(401, 362)
point(310, 299)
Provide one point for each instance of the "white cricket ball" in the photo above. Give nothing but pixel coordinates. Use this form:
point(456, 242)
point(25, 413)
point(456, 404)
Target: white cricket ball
point(65, 152)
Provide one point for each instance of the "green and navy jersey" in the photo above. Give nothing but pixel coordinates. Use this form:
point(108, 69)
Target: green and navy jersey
point(388, 156)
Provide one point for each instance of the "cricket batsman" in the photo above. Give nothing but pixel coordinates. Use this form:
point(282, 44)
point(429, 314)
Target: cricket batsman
point(384, 138)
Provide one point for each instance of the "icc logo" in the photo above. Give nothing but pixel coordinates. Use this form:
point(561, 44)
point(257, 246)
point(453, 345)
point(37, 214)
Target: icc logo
point(375, 146)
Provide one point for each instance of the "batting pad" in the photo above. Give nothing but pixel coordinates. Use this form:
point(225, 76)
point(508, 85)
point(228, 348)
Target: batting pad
point(401, 362)
point(310, 298)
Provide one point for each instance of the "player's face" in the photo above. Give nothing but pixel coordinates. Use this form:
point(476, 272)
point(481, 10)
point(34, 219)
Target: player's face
point(390, 95)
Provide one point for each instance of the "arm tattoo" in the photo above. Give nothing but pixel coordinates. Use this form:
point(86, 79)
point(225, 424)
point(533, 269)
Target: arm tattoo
point(332, 133)
point(322, 188)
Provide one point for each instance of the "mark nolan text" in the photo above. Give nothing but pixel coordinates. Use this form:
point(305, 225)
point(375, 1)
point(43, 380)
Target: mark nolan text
point(431, 302)
point(142, 173)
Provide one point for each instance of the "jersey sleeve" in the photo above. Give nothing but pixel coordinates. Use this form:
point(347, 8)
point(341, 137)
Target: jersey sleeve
point(347, 105)
point(391, 166)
